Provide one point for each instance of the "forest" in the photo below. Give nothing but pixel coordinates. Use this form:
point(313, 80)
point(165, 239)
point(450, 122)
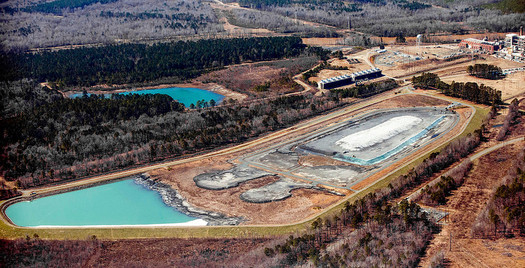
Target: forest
point(396, 17)
point(90, 24)
point(469, 91)
point(376, 233)
point(33, 24)
point(133, 63)
point(23, 95)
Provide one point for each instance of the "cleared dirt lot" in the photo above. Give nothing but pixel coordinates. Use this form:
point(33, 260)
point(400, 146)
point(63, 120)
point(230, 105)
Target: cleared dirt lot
point(322, 41)
point(244, 78)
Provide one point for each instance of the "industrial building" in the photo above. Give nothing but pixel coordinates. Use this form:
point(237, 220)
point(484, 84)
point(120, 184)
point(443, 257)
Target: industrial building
point(348, 79)
point(515, 43)
point(481, 45)
point(512, 48)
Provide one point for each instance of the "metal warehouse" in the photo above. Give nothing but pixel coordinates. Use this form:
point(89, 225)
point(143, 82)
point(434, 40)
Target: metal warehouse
point(348, 79)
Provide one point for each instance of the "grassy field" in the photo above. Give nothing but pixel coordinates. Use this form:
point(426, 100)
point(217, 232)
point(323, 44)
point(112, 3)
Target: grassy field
point(10, 232)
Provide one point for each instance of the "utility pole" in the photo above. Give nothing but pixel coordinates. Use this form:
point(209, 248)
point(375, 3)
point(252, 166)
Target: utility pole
point(450, 241)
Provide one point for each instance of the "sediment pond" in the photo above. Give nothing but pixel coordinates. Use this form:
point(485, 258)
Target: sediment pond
point(119, 203)
point(186, 96)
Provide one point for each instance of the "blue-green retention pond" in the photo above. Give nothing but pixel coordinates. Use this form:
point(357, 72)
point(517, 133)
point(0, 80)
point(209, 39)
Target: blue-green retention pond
point(184, 95)
point(119, 203)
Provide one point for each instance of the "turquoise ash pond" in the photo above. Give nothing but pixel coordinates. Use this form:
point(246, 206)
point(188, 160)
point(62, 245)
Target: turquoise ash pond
point(119, 203)
point(184, 95)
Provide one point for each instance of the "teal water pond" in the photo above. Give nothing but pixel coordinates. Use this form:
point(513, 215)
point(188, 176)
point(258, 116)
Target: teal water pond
point(118, 203)
point(186, 96)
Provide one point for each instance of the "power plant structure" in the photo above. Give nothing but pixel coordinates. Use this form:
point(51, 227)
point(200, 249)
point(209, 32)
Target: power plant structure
point(348, 79)
point(513, 47)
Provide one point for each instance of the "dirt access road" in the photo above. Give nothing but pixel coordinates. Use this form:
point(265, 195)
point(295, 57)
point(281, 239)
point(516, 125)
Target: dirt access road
point(472, 158)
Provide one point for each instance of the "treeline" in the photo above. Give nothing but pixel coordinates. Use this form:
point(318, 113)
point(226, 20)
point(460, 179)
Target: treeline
point(487, 71)
point(437, 193)
point(505, 212)
point(366, 90)
point(509, 119)
point(132, 63)
point(314, 71)
point(70, 138)
point(6, 193)
point(467, 91)
point(102, 23)
point(56, 7)
point(386, 234)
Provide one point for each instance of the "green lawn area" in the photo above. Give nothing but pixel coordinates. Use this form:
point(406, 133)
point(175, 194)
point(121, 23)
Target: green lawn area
point(9, 232)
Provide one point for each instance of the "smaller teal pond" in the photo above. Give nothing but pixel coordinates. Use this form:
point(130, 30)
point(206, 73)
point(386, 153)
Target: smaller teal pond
point(119, 203)
point(184, 95)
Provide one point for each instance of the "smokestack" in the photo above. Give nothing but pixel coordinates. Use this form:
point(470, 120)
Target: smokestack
point(521, 30)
